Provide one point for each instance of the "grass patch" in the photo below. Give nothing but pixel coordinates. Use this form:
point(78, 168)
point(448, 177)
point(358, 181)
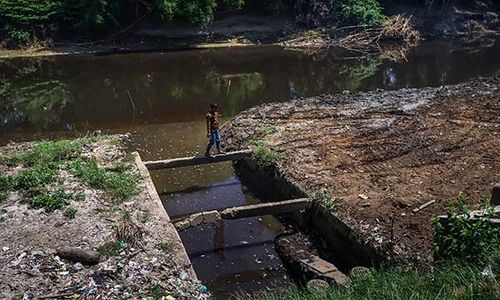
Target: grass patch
point(70, 212)
point(269, 129)
point(120, 185)
point(36, 177)
point(265, 157)
point(457, 280)
point(51, 201)
point(48, 151)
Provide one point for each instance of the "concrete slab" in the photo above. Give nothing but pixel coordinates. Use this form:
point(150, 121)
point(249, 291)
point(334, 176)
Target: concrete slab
point(196, 160)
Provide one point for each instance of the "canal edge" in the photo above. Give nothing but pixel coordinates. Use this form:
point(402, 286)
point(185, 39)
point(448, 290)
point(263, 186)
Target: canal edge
point(181, 255)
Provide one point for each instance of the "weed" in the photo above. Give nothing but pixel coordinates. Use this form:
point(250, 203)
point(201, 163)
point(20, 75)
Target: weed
point(11, 159)
point(4, 196)
point(143, 217)
point(462, 237)
point(51, 201)
point(269, 129)
point(265, 157)
point(70, 212)
point(324, 198)
point(120, 185)
point(36, 177)
point(166, 247)
point(127, 215)
point(156, 291)
point(6, 183)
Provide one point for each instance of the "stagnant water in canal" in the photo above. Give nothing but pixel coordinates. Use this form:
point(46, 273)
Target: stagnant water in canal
point(161, 99)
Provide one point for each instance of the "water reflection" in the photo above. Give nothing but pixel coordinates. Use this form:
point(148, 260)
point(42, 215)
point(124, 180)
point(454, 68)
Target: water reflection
point(65, 94)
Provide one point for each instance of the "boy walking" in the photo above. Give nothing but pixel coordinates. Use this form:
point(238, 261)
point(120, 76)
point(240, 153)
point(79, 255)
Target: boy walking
point(213, 129)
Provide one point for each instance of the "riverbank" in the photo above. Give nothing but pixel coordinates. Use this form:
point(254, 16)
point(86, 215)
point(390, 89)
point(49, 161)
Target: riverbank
point(380, 155)
point(451, 21)
point(80, 220)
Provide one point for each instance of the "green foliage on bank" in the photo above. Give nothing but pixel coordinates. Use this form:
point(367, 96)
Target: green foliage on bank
point(41, 180)
point(24, 21)
point(121, 185)
point(360, 12)
point(464, 238)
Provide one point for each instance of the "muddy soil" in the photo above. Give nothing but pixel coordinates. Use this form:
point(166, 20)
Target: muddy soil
point(381, 154)
point(152, 266)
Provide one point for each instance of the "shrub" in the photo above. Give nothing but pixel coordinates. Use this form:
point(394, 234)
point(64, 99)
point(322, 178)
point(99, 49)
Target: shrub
point(463, 237)
point(360, 12)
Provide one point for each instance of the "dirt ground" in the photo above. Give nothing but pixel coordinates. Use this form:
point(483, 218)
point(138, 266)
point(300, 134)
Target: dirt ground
point(381, 154)
point(152, 266)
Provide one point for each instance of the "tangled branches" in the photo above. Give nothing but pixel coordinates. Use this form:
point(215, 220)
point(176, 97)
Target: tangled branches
point(393, 38)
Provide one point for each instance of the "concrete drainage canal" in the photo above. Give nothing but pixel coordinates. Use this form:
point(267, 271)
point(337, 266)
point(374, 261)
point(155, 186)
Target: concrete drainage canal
point(245, 232)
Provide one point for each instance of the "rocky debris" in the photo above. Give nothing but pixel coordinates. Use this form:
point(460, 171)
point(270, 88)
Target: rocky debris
point(79, 255)
point(300, 255)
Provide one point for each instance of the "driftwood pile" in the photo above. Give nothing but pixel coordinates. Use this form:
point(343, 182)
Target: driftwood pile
point(393, 38)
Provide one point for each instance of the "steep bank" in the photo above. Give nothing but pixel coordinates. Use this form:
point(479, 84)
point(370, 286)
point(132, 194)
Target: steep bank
point(381, 154)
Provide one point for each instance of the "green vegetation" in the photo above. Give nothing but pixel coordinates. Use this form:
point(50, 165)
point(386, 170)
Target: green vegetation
point(51, 201)
point(463, 238)
point(269, 129)
point(121, 185)
point(166, 247)
point(36, 177)
point(325, 198)
point(448, 281)
point(472, 253)
point(26, 22)
point(40, 179)
point(265, 157)
point(143, 217)
point(360, 12)
point(70, 212)
point(156, 291)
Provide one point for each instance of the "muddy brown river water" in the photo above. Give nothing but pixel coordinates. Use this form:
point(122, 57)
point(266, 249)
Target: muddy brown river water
point(161, 99)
